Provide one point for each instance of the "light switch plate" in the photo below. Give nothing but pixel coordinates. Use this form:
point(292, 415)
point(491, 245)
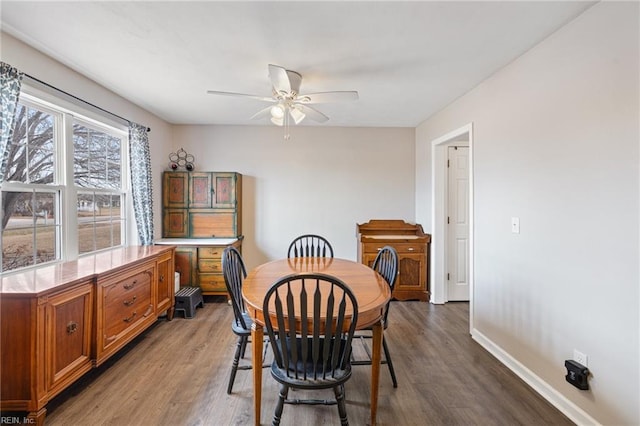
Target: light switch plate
point(515, 225)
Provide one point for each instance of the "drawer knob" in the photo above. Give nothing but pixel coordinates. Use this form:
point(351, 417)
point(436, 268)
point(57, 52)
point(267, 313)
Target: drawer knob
point(72, 327)
point(130, 286)
point(130, 302)
point(410, 249)
point(161, 277)
point(131, 317)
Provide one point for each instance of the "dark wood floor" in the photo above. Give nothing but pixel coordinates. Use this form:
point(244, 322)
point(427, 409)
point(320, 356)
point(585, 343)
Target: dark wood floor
point(176, 374)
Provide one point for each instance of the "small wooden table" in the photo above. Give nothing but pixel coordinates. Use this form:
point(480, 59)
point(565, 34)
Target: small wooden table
point(370, 289)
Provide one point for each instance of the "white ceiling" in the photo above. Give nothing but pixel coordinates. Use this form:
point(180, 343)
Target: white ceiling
point(407, 60)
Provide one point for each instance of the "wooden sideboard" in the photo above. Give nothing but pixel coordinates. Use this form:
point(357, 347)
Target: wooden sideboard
point(58, 322)
point(412, 246)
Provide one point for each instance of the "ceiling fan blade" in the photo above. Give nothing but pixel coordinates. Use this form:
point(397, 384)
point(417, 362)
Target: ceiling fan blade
point(312, 113)
point(262, 113)
point(326, 97)
point(295, 80)
point(279, 79)
point(243, 95)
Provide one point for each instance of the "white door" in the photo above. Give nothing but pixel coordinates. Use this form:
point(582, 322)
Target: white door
point(458, 223)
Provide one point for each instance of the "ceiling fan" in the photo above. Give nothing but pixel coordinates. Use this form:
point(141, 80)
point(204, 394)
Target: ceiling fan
point(289, 104)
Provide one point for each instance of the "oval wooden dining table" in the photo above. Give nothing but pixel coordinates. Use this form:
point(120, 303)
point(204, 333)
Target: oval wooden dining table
point(371, 291)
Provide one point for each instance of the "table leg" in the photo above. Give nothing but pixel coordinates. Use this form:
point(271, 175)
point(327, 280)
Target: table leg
point(375, 369)
point(257, 338)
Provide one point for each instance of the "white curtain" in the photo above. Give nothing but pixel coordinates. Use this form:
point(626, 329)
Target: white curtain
point(140, 165)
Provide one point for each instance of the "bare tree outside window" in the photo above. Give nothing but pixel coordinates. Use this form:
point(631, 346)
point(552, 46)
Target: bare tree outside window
point(29, 225)
point(97, 166)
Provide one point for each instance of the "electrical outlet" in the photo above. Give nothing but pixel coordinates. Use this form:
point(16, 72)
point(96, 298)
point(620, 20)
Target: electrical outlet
point(581, 358)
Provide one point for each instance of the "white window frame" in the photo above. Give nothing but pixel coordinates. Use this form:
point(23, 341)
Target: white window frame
point(66, 112)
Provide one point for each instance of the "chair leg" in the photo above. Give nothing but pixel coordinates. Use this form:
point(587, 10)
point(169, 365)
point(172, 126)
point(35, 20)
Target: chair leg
point(245, 339)
point(389, 362)
point(277, 416)
point(342, 408)
point(234, 366)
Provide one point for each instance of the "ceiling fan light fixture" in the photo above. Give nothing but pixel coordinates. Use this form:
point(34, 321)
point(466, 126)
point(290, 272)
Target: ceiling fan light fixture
point(277, 112)
point(297, 115)
point(288, 105)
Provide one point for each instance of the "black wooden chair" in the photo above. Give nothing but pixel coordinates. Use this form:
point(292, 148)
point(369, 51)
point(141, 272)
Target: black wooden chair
point(318, 355)
point(310, 245)
point(386, 264)
point(234, 273)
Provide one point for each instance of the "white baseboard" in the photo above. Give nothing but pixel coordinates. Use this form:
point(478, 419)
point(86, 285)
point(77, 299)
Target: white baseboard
point(568, 408)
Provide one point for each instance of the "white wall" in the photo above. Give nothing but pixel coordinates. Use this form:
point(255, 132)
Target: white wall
point(556, 137)
point(322, 181)
point(42, 67)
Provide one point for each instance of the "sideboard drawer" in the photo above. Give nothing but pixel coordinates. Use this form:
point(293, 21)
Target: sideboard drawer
point(126, 304)
point(130, 291)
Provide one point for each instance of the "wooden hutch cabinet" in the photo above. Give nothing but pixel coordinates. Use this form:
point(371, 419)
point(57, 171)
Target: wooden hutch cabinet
point(201, 205)
point(412, 246)
point(202, 215)
point(59, 321)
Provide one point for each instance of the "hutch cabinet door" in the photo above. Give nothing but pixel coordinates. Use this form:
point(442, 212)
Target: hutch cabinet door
point(186, 262)
point(213, 223)
point(224, 187)
point(175, 223)
point(69, 320)
point(200, 190)
point(175, 190)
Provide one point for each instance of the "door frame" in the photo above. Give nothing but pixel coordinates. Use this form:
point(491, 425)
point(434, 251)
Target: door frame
point(439, 214)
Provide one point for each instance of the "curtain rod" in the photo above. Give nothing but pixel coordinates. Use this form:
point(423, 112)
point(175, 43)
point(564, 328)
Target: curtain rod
point(79, 99)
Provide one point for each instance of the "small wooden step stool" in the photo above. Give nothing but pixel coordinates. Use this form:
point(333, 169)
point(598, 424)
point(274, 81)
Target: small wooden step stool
point(188, 299)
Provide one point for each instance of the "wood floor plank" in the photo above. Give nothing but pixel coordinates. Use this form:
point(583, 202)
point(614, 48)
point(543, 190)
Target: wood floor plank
point(176, 374)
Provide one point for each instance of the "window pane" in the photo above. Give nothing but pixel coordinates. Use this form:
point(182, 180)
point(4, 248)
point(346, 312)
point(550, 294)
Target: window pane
point(31, 150)
point(99, 221)
point(31, 230)
point(97, 157)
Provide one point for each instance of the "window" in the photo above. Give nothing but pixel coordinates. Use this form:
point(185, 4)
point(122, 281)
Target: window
point(63, 191)
point(96, 175)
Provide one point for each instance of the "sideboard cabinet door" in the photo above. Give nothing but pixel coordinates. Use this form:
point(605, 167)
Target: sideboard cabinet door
point(165, 284)
point(68, 336)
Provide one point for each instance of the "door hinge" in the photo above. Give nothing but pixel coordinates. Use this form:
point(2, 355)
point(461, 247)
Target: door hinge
point(447, 220)
point(447, 163)
point(447, 276)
